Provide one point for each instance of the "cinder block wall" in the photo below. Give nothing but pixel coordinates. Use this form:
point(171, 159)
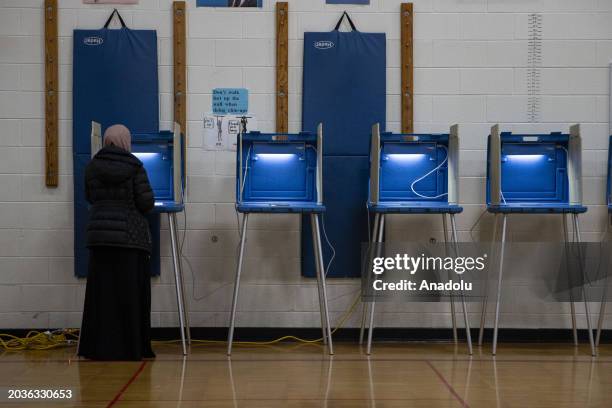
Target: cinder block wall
point(470, 68)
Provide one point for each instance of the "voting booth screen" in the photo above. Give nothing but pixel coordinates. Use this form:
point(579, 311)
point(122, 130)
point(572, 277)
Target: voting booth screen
point(114, 81)
point(344, 89)
point(534, 170)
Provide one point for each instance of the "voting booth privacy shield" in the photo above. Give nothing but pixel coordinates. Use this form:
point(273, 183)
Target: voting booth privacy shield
point(114, 81)
point(344, 88)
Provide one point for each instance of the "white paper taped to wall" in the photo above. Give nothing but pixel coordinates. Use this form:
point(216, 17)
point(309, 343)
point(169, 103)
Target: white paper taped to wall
point(221, 131)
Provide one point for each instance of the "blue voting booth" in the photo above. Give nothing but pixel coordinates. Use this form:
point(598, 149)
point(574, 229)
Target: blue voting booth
point(534, 174)
point(281, 173)
point(115, 81)
point(414, 174)
point(344, 87)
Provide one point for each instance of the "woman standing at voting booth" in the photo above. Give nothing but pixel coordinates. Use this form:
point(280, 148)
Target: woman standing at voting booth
point(117, 314)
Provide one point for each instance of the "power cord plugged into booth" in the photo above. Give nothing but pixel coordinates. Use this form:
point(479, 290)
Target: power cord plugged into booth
point(438, 167)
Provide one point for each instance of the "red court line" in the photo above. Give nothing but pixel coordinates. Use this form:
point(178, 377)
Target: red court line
point(448, 386)
point(127, 384)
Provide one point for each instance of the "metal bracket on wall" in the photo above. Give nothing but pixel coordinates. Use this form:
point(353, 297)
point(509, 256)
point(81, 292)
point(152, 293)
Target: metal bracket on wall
point(407, 66)
point(282, 67)
point(51, 94)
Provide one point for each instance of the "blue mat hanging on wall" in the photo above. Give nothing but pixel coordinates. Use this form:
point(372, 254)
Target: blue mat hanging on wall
point(114, 81)
point(345, 89)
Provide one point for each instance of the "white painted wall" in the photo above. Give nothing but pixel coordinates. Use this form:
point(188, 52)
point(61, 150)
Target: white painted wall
point(470, 67)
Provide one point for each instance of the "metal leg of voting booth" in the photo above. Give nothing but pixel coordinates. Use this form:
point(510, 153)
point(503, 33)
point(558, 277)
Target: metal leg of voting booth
point(365, 308)
point(243, 237)
point(572, 304)
point(452, 298)
point(499, 281)
point(604, 296)
point(320, 268)
point(178, 278)
point(584, 296)
point(182, 277)
point(379, 233)
point(468, 335)
point(485, 298)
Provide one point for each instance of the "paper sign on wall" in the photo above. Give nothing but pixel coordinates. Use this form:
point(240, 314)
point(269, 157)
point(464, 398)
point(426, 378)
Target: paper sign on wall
point(229, 3)
point(230, 101)
point(221, 131)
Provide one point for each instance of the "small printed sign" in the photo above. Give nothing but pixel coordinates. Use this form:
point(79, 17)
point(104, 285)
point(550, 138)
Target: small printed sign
point(221, 131)
point(230, 101)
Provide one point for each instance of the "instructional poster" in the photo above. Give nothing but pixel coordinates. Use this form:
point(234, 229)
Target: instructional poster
point(221, 131)
point(230, 101)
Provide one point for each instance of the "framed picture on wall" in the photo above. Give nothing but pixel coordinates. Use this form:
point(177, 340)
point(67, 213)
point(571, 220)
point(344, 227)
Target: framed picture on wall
point(229, 3)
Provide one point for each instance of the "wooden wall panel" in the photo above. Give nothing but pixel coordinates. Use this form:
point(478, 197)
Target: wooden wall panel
point(180, 69)
point(282, 67)
point(407, 66)
point(51, 94)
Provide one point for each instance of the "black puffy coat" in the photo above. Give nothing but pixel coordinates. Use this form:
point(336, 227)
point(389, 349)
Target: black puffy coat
point(118, 189)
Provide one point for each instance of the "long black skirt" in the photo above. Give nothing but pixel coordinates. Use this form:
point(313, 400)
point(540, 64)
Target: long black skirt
point(117, 313)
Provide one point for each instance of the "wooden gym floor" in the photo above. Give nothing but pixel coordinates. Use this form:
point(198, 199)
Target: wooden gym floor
point(292, 375)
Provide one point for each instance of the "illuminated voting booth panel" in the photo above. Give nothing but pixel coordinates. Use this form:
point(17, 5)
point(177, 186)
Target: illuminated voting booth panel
point(281, 173)
point(162, 158)
point(415, 173)
point(534, 173)
point(531, 174)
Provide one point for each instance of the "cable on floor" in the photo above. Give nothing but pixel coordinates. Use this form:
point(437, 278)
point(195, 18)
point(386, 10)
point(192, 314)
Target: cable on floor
point(343, 320)
point(36, 340)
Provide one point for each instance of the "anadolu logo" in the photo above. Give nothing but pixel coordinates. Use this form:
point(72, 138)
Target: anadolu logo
point(323, 45)
point(93, 41)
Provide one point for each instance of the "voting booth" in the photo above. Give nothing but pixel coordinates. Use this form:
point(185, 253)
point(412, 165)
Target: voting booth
point(162, 157)
point(414, 174)
point(534, 174)
point(281, 173)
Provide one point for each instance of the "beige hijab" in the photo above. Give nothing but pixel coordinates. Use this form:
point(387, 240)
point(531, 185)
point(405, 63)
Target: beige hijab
point(119, 136)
